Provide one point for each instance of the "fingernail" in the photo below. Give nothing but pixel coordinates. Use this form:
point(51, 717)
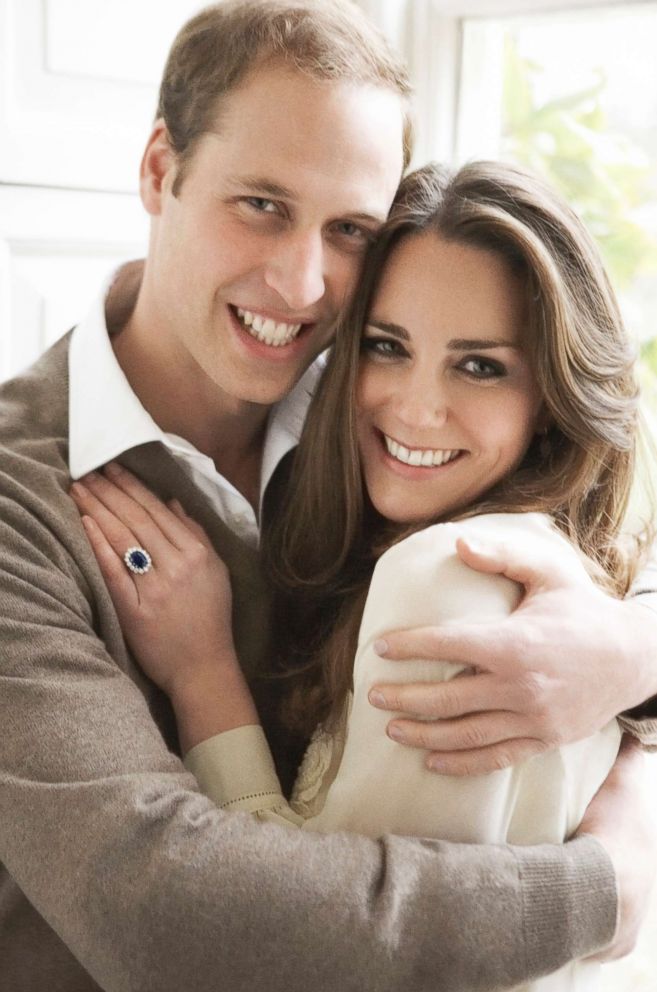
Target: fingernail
point(435, 765)
point(376, 698)
point(87, 523)
point(396, 733)
point(381, 647)
point(77, 489)
point(112, 469)
point(476, 546)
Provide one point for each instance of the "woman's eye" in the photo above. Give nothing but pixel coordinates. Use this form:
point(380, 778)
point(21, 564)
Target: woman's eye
point(382, 347)
point(483, 368)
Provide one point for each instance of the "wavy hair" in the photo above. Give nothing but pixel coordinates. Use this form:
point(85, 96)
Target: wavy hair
point(323, 547)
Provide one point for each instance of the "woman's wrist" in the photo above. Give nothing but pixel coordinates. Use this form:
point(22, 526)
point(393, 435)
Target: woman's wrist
point(212, 702)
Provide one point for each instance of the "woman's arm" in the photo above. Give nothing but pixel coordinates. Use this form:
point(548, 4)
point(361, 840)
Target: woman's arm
point(177, 620)
point(570, 649)
point(176, 617)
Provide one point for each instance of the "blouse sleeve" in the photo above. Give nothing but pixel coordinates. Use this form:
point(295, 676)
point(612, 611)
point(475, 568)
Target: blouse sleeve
point(236, 771)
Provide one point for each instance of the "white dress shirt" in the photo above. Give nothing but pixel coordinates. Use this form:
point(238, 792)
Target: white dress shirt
point(106, 419)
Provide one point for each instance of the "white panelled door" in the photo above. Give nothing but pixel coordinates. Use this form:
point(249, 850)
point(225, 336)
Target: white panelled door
point(78, 91)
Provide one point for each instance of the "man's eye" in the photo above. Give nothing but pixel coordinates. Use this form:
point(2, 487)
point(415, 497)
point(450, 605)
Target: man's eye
point(354, 231)
point(483, 368)
point(262, 204)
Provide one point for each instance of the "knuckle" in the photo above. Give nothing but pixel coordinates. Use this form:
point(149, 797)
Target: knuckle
point(157, 594)
point(447, 702)
point(423, 736)
point(500, 758)
point(463, 767)
point(138, 517)
point(473, 736)
point(196, 553)
point(532, 691)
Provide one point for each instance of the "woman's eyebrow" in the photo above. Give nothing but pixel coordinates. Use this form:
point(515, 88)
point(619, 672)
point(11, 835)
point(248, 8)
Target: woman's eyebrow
point(479, 344)
point(396, 330)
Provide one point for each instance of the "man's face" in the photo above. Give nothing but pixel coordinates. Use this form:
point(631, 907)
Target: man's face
point(251, 261)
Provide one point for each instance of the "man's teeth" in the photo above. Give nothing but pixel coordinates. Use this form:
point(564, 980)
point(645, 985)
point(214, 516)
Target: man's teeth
point(267, 330)
point(428, 457)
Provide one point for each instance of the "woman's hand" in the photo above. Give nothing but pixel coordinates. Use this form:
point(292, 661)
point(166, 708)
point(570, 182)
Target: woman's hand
point(177, 616)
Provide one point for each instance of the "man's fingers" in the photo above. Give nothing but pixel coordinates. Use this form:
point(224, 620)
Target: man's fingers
point(532, 569)
point(465, 644)
point(470, 733)
point(483, 761)
point(444, 700)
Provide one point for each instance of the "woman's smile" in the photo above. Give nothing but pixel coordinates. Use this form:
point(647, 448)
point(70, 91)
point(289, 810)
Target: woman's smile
point(447, 401)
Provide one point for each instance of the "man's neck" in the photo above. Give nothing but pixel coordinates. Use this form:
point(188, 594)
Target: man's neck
point(181, 399)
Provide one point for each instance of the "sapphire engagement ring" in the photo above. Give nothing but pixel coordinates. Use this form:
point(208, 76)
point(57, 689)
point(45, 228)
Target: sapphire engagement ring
point(138, 560)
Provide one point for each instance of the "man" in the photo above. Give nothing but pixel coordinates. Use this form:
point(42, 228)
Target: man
point(277, 150)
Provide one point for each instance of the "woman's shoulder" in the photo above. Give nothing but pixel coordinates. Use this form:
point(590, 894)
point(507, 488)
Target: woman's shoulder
point(497, 527)
point(535, 534)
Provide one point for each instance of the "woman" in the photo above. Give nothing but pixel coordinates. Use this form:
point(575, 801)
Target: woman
point(481, 384)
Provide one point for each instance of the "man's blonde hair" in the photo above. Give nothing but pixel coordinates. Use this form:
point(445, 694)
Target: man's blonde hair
point(325, 39)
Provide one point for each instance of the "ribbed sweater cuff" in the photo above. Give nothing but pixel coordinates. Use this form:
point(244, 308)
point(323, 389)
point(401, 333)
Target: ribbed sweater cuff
point(581, 878)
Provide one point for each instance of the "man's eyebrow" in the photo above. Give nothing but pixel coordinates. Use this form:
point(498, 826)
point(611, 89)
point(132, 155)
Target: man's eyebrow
point(260, 185)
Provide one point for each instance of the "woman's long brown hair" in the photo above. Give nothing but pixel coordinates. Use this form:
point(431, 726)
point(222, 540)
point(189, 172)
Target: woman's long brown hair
point(323, 546)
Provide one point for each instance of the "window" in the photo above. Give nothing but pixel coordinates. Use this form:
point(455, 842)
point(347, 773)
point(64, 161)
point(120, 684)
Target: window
point(572, 94)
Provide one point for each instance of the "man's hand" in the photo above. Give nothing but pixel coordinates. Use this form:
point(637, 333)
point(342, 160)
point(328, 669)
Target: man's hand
point(562, 665)
point(621, 819)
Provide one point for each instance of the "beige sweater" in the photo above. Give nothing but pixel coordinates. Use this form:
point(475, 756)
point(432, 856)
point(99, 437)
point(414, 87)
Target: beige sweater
point(116, 872)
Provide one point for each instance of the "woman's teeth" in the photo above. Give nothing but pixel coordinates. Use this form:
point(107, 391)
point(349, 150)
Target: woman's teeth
point(266, 330)
point(427, 457)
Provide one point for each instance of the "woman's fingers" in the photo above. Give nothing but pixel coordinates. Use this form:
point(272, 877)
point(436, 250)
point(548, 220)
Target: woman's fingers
point(176, 507)
point(135, 504)
point(115, 531)
point(126, 524)
point(117, 578)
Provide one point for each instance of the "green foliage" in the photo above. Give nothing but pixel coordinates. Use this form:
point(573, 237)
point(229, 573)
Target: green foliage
point(602, 173)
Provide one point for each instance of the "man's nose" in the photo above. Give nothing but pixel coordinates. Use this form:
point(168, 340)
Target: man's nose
point(296, 271)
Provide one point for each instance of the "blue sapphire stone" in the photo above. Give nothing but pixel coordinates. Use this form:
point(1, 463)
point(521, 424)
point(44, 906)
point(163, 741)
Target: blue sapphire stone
point(138, 559)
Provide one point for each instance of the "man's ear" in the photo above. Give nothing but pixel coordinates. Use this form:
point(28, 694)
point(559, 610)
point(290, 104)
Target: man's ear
point(157, 169)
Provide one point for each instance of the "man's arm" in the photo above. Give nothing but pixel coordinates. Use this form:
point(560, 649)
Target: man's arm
point(152, 887)
point(567, 660)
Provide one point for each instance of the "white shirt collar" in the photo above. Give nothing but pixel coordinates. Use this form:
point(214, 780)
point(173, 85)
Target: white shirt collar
point(106, 418)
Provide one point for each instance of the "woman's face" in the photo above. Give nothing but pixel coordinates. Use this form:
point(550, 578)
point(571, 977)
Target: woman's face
point(447, 402)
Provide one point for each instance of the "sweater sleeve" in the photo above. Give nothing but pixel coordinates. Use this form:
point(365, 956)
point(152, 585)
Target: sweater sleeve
point(641, 722)
point(151, 887)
